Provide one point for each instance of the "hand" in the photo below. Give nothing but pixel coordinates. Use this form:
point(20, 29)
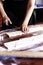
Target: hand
point(25, 27)
point(7, 20)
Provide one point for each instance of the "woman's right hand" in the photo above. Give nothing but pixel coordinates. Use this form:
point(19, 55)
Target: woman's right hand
point(7, 20)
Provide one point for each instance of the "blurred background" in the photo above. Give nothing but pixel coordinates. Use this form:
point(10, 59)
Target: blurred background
point(39, 10)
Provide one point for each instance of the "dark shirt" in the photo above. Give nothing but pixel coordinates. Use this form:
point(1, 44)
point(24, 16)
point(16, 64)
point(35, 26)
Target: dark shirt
point(17, 8)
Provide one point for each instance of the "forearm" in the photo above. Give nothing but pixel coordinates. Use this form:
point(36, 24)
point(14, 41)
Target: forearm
point(2, 11)
point(30, 8)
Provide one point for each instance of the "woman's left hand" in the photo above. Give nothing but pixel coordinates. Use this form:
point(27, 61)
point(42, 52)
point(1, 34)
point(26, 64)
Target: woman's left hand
point(25, 27)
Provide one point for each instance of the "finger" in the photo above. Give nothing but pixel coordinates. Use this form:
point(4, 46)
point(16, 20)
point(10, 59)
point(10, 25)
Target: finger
point(10, 21)
point(25, 30)
point(6, 22)
point(22, 29)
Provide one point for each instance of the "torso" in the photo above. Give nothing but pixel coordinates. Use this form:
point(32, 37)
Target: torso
point(18, 7)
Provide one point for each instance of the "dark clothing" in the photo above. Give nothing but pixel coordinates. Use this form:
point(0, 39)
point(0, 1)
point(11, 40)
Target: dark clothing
point(16, 10)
